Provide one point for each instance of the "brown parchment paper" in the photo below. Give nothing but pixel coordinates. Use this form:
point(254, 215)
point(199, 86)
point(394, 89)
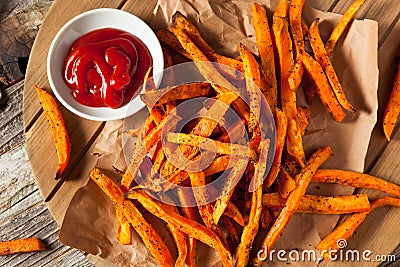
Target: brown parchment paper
point(90, 224)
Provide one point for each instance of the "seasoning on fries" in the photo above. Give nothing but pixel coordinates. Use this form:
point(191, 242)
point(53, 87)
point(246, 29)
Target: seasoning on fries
point(295, 11)
point(265, 51)
point(324, 91)
point(321, 204)
point(392, 107)
point(346, 229)
point(355, 179)
point(294, 198)
point(322, 58)
point(152, 240)
point(251, 195)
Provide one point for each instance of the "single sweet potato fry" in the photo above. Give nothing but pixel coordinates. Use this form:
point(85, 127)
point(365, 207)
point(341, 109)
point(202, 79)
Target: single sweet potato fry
point(295, 11)
point(266, 51)
point(356, 179)
point(234, 150)
point(281, 129)
point(286, 183)
point(124, 228)
point(180, 92)
point(342, 232)
point(392, 109)
point(21, 245)
point(168, 38)
point(284, 48)
point(342, 25)
point(321, 204)
point(185, 200)
point(254, 83)
point(138, 155)
point(253, 223)
point(218, 165)
point(283, 41)
point(233, 177)
point(180, 21)
point(58, 130)
point(303, 114)
point(294, 141)
point(234, 213)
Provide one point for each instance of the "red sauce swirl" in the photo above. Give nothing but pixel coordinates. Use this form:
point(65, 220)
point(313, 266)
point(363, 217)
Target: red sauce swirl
point(105, 67)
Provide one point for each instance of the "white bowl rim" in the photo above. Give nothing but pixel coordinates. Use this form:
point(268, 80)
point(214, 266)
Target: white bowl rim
point(123, 111)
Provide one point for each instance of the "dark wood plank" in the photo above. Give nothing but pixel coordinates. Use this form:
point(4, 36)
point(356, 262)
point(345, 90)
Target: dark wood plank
point(396, 253)
point(20, 22)
point(16, 183)
point(70, 258)
point(12, 7)
point(11, 127)
point(321, 5)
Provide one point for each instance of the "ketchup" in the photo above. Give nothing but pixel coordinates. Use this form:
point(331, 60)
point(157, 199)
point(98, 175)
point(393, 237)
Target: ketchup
point(105, 67)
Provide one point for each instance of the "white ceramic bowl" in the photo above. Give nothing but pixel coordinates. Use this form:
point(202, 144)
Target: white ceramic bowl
point(87, 22)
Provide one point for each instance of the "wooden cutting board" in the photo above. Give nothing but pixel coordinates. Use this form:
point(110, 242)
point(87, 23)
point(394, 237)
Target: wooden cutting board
point(83, 132)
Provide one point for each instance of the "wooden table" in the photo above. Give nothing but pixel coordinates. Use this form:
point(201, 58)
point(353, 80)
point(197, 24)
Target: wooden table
point(22, 210)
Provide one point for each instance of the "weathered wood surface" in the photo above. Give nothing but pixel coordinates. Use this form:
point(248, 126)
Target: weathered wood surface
point(11, 129)
point(19, 24)
point(22, 212)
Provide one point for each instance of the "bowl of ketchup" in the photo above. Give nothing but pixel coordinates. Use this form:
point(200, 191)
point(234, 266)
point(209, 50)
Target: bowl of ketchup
point(97, 63)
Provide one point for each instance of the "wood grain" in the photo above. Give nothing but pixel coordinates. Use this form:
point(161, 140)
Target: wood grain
point(321, 5)
point(78, 178)
point(142, 9)
point(35, 124)
point(82, 132)
point(20, 203)
point(19, 24)
point(11, 129)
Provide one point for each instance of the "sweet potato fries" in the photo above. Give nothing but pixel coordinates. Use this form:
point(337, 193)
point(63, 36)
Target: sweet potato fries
point(265, 179)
